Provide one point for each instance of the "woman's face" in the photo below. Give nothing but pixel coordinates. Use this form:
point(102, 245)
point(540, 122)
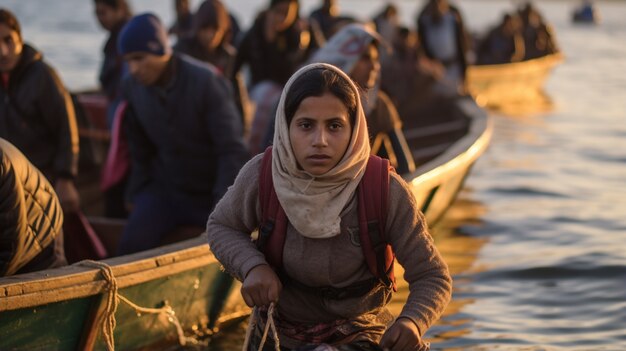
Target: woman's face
point(320, 132)
point(366, 70)
point(210, 38)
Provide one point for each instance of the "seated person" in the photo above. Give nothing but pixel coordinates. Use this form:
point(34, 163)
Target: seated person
point(31, 234)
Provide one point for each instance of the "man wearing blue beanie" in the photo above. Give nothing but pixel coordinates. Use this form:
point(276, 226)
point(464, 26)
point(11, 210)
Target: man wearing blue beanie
point(184, 134)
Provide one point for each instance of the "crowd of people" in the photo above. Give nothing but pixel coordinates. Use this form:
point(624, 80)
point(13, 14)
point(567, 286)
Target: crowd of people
point(189, 123)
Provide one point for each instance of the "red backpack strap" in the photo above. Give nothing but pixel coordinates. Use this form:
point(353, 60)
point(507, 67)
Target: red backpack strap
point(373, 197)
point(273, 226)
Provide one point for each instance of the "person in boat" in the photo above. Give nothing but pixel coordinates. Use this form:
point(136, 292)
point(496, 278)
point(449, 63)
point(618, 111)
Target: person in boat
point(210, 41)
point(184, 135)
point(112, 16)
point(325, 17)
point(208, 38)
point(278, 42)
point(324, 292)
point(504, 43)
point(386, 23)
point(36, 112)
point(444, 38)
point(362, 63)
point(183, 26)
point(538, 35)
point(31, 233)
point(409, 77)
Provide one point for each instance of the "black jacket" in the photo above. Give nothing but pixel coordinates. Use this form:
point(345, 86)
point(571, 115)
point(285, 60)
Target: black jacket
point(37, 116)
point(185, 139)
point(30, 216)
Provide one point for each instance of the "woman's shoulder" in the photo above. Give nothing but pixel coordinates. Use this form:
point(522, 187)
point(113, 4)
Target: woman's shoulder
point(400, 189)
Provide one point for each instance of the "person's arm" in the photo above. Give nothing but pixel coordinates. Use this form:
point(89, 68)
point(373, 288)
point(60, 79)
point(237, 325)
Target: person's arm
point(142, 152)
point(229, 230)
point(57, 110)
point(430, 284)
point(226, 132)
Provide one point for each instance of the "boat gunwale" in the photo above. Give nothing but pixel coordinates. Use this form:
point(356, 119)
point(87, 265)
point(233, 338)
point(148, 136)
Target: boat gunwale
point(464, 151)
point(82, 279)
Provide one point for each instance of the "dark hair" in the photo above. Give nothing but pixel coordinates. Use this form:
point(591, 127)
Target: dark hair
point(116, 4)
point(211, 14)
point(8, 18)
point(316, 82)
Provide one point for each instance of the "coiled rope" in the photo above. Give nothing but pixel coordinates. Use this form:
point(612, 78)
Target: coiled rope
point(270, 323)
point(107, 321)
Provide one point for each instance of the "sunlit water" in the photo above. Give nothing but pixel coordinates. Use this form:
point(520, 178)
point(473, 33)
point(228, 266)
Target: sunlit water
point(537, 240)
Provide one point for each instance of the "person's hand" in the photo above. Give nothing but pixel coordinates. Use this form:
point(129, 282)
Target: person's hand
point(403, 335)
point(261, 286)
point(68, 195)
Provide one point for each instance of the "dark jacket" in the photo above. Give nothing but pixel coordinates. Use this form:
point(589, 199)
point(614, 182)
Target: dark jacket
point(31, 218)
point(275, 61)
point(37, 116)
point(112, 69)
point(186, 139)
point(223, 58)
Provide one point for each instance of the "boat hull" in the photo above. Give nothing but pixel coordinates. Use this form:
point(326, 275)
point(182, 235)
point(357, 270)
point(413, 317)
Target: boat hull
point(436, 183)
point(511, 83)
point(63, 309)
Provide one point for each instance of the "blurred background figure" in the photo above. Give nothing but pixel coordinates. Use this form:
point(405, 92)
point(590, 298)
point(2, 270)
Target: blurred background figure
point(502, 44)
point(278, 42)
point(408, 76)
point(325, 17)
point(183, 25)
point(31, 234)
point(112, 16)
point(37, 112)
point(211, 41)
point(538, 37)
point(208, 39)
point(444, 39)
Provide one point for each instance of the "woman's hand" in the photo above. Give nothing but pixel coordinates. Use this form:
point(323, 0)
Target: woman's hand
point(403, 335)
point(261, 286)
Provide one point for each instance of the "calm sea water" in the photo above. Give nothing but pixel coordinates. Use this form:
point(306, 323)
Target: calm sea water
point(537, 239)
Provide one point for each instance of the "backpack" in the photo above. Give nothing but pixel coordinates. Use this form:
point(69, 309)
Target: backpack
point(373, 193)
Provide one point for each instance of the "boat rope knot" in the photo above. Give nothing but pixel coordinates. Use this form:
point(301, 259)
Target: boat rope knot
point(270, 324)
point(112, 300)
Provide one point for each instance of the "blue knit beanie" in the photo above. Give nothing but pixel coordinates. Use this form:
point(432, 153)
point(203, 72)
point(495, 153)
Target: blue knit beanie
point(144, 33)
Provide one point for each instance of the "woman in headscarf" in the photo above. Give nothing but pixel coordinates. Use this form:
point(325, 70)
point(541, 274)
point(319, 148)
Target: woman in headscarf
point(319, 156)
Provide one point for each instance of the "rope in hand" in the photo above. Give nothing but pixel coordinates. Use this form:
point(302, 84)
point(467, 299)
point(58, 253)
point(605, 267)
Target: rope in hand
point(112, 301)
point(270, 323)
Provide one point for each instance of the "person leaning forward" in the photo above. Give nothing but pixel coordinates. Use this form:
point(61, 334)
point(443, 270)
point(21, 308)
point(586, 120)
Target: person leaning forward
point(320, 152)
point(184, 134)
point(36, 112)
point(31, 234)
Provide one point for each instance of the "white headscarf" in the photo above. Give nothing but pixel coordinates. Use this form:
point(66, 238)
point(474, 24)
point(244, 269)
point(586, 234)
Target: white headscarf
point(345, 48)
point(313, 204)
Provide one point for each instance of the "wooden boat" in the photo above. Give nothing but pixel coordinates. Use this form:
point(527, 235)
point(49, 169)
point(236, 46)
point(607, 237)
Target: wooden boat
point(177, 293)
point(511, 83)
point(445, 148)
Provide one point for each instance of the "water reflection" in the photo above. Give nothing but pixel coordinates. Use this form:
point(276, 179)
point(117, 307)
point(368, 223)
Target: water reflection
point(534, 102)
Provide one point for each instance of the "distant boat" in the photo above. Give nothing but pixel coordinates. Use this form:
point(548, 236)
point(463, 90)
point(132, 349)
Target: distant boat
point(586, 13)
point(66, 308)
point(510, 83)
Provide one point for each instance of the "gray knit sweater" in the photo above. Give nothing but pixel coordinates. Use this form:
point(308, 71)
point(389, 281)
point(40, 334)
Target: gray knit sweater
point(336, 261)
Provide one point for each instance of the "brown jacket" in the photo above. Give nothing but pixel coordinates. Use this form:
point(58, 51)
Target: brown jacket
point(30, 216)
point(336, 261)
